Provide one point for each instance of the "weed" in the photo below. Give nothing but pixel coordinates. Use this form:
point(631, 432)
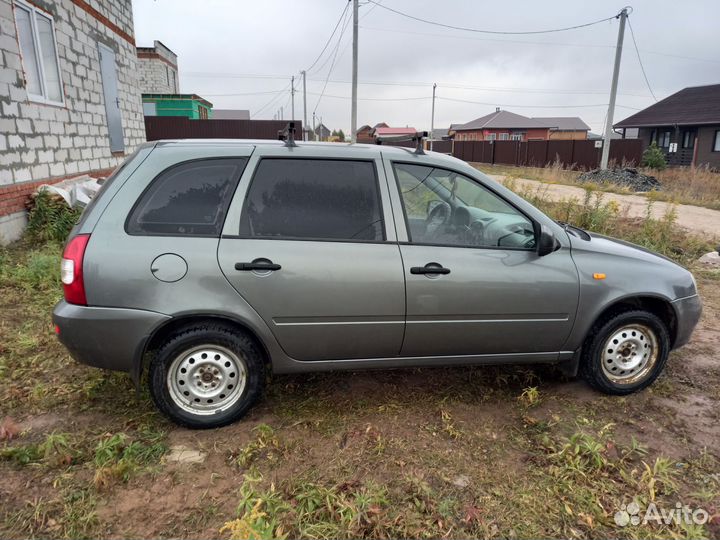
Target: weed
point(448, 425)
point(117, 457)
point(530, 397)
point(266, 444)
point(50, 218)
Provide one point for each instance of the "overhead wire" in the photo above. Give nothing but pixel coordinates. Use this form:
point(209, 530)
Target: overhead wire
point(332, 65)
point(342, 17)
point(495, 32)
point(642, 67)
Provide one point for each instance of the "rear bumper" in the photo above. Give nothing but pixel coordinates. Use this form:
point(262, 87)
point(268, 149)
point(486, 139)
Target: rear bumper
point(108, 338)
point(688, 311)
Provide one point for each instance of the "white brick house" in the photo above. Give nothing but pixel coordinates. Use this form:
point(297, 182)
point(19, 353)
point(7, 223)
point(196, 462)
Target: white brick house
point(158, 70)
point(70, 101)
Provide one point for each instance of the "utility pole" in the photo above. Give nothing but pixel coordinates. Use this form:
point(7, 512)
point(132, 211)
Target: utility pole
point(281, 113)
point(353, 114)
point(305, 129)
point(432, 118)
point(292, 97)
point(613, 91)
point(314, 126)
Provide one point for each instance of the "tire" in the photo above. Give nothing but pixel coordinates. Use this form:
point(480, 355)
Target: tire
point(207, 376)
point(625, 352)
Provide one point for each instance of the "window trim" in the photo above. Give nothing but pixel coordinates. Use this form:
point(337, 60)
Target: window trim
point(21, 4)
point(716, 142)
point(535, 225)
point(303, 239)
point(175, 166)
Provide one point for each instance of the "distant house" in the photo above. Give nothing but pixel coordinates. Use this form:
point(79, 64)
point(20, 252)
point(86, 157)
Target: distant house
point(231, 114)
point(507, 126)
point(392, 132)
point(686, 125)
point(322, 132)
point(187, 105)
point(158, 69)
point(69, 96)
point(565, 127)
point(364, 134)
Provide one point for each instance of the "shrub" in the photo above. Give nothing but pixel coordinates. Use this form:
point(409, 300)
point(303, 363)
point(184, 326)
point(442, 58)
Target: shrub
point(654, 158)
point(50, 218)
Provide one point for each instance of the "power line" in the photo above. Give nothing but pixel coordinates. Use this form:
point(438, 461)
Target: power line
point(342, 16)
point(272, 100)
point(332, 65)
point(642, 68)
point(244, 93)
point(465, 29)
point(533, 106)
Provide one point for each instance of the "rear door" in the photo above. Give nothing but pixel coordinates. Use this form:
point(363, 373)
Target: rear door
point(309, 243)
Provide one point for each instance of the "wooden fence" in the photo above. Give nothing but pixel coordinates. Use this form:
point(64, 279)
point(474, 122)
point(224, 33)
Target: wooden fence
point(179, 127)
point(575, 154)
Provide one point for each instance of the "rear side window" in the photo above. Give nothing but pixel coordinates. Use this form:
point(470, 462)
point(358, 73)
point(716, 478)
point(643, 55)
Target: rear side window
point(313, 199)
point(189, 199)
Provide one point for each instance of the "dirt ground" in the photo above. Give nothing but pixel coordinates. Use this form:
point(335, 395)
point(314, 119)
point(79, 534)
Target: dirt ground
point(692, 218)
point(452, 452)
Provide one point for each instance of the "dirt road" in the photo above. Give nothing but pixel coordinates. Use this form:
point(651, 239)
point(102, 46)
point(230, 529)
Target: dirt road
point(693, 218)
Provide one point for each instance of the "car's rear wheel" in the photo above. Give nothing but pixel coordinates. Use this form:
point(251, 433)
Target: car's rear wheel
point(625, 352)
point(207, 376)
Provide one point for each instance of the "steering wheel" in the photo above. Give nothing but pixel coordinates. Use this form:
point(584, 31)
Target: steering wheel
point(437, 218)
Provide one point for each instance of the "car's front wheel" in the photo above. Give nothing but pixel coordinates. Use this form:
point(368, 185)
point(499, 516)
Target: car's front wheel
point(207, 376)
point(625, 352)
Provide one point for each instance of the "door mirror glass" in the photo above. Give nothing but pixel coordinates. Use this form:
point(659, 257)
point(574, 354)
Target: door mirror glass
point(547, 243)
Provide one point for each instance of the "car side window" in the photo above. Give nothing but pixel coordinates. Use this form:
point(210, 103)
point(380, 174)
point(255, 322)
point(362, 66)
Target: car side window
point(444, 207)
point(313, 199)
point(189, 199)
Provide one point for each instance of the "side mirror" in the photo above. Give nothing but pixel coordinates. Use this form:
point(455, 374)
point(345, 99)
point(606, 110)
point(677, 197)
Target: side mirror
point(546, 243)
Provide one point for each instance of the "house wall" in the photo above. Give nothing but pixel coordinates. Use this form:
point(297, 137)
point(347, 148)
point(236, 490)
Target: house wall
point(158, 70)
point(705, 141)
point(46, 143)
point(482, 135)
point(189, 108)
point(567, 135)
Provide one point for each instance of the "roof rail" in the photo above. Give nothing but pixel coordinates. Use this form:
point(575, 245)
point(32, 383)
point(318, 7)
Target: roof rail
point(417, 137)
point(288, 135)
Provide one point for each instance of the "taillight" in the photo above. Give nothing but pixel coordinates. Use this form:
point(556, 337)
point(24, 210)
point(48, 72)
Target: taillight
point(71, 270)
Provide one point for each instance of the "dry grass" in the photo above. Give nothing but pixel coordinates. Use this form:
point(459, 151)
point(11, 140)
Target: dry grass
point(683, 185)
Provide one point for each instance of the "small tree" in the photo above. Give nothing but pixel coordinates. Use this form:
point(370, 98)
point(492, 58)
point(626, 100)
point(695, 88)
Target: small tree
point(334, 133)
point(654, 158)
point(341, 135)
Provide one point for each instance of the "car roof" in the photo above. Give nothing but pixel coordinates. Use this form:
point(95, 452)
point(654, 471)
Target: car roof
point(329, 147)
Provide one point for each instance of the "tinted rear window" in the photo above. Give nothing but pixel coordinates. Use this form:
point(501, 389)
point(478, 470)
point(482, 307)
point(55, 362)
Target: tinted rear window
point(188, 199)
point(313, 199)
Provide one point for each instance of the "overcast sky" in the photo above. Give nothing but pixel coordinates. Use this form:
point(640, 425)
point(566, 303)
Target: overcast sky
point(241, 55)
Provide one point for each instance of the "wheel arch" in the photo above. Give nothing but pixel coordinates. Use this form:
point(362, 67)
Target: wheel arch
point(657, 305)
point(177, 324)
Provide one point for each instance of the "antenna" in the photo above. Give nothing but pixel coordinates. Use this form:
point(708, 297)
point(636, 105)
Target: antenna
point(288, 135)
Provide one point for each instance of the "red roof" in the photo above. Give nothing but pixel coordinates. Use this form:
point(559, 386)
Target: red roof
point(385, 131)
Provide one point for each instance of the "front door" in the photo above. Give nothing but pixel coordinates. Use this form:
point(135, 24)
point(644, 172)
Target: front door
point(475, 284)
point(312, 255)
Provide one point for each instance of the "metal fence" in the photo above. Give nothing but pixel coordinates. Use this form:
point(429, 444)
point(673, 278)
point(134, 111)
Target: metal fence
point(179, 127)
point(575, 154)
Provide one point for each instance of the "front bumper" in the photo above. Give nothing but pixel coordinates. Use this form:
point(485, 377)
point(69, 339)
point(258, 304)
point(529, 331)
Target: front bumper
point(688, 311)
point(108, 338)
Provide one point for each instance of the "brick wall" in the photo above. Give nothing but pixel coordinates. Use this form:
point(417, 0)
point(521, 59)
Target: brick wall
point(158, 71)
point(42, 143)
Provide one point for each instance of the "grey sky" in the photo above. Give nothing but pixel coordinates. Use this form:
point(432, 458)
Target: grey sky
point(224, 46)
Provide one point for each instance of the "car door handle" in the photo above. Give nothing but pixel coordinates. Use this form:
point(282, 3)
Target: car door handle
point(430, 268)
point(257, 264)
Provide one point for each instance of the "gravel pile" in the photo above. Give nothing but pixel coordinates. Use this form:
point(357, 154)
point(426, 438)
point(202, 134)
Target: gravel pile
point(625, 177)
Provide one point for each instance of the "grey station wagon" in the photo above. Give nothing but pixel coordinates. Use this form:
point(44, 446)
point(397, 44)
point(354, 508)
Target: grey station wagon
point(210, 263)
